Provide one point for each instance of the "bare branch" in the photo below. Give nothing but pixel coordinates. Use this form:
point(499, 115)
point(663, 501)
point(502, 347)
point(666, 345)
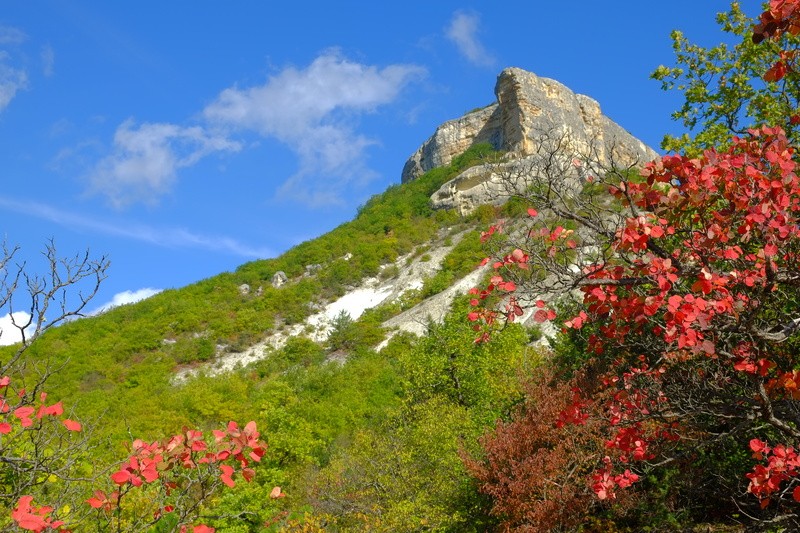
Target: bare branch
point(37, 302)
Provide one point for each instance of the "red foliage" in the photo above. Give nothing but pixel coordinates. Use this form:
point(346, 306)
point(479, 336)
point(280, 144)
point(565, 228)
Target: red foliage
point(701, 288)
point(782, 464)
point(783, 16)
point(536, 470)
point(705, 267)
point(223, 455)
point(33, 518)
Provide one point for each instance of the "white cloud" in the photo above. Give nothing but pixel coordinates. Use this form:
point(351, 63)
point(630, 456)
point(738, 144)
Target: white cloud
point(12, 80)
point(146, 158)
point(124, 298)
point(48, 60)
point(312, 110)
point(165, 237)
point(463, 31)
point(9, 333)
point(10, 35)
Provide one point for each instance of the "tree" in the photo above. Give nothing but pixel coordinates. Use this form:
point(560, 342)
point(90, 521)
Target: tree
point(343, 334)
point(483, 378)
point(725, 87)
point(688, 288)
point(535, 470)
point(405, 475)
point(48, 468)
point(29, 298)
point(40, 448)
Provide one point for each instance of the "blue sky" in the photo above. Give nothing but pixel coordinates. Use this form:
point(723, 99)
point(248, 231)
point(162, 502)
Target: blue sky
point(183, 139)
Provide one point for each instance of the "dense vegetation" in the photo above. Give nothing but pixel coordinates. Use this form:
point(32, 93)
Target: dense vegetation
point(668, 398)
point(672, 396)
point(328, 424)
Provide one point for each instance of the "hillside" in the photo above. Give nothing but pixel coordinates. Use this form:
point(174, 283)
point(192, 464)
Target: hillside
point(544, 326)
point(314, 387)
point(351, 352)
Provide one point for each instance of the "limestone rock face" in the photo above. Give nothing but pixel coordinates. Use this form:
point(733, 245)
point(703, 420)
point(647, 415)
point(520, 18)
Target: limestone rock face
point(527, 106)
point(475, 186)
point(453, 138)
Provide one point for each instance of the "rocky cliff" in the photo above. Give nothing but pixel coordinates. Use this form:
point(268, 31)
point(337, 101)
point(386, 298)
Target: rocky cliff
point(527, 106)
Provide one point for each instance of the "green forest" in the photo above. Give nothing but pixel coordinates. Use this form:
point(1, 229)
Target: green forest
point(654, 388)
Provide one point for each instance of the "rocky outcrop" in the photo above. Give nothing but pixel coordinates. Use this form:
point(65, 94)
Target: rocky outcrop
point(493, 183)
point(527, 106)
point(475, 186)
point(279, 279)
point(453, 138)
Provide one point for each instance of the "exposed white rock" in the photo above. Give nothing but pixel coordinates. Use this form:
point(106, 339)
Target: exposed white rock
point(279, 279)
point(370, 293)
point(453, 138)
point(416, 319)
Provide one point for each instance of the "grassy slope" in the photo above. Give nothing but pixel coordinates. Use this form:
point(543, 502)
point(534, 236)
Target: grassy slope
point(115, 371)
point(118, 366)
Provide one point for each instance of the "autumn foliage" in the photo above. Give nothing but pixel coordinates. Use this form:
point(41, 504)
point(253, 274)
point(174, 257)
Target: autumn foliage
point(163, 481)
point(159, 481)
point(690, 321)
point(535, 470)
point(177, 474)
point(704, 283)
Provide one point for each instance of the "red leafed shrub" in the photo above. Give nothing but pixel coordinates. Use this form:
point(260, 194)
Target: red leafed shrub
point(689, 290)
point(536, 469)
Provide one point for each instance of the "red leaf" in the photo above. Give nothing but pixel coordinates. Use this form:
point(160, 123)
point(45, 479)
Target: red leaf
point(95, 502)
point(150, 472)
point(256, 454)
point(758, 446)
point(776, 73)
point(24, 412)
point(541, 316)
point(32, 522)
point(121, 477)
point(226, 477)
point(57, 409)
point(71, 424)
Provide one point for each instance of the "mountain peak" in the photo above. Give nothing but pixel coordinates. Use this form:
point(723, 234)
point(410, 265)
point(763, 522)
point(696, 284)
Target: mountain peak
point(526, 106)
